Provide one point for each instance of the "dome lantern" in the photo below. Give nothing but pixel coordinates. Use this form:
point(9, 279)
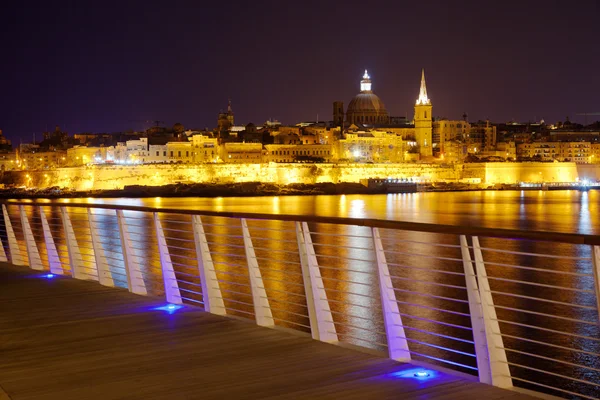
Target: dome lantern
point(365, 83)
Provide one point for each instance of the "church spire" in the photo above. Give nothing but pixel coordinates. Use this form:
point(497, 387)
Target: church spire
point(423, 99)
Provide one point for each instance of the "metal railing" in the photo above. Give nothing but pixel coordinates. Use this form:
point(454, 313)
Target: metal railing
point(515, 308)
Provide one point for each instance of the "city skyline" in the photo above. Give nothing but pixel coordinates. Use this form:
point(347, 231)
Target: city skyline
point(109, 69)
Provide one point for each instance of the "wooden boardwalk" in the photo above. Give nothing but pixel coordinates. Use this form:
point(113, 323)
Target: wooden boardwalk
point(70, 339)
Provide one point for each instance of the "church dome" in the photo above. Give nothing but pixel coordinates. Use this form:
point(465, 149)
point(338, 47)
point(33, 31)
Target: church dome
point(366, 102)
point(366, 107)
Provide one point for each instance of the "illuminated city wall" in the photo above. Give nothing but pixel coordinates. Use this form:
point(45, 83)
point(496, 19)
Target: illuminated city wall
point(529, 172)
point(117, 177)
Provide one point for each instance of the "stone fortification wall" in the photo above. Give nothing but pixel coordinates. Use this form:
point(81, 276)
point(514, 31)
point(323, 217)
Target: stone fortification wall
point(530, 172)
point(117, 177)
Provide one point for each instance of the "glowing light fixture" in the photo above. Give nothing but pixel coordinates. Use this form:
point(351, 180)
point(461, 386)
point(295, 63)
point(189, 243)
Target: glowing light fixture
point(169, 308)
point(48, 276)
point(365, 84)
point(420, 374)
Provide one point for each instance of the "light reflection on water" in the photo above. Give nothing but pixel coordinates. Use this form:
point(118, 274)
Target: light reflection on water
point(348, 267)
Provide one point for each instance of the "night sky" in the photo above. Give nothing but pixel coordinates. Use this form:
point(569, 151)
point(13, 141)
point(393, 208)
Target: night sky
point(111, 66)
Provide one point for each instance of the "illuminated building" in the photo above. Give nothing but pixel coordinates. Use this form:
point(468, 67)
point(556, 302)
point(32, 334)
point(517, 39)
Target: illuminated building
point(578, 152)
point(423, 127)
point(595, 150)
point(444, 131)
point(288, 153)
point(241, 153)
point(371, 146)
point(179, 152)
point(9, 161)
point(366, 107)
point(205, 148)
point(42, 159)
point(81, 155)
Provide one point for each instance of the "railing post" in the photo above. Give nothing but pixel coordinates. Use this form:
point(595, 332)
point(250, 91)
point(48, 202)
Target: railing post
point(135, 280)
point(489, 350)
point(105, 277)
point(394, 329)
point(596, 272)
point(3, 257)
point(54, 261)
point(262, 308)
point(172, 292)
point(211, 292)
point(321, 320)
point(33, 254)
point(75, 259)
point(13, 245)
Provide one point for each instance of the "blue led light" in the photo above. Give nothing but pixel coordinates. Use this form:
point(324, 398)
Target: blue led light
point(49, 276)
point(419, 374)
point(169, 308)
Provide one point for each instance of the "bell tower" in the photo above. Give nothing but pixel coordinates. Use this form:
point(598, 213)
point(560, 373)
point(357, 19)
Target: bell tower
point(423, 125)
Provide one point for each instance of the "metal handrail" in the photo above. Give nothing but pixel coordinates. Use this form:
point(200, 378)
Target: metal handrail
point(572, 238)
point(383, 294)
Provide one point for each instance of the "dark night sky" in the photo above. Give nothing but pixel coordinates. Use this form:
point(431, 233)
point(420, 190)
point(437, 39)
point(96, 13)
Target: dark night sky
point(104, 66)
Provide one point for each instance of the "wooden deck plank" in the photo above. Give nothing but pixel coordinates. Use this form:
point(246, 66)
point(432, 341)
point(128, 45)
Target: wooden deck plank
point(69, 339)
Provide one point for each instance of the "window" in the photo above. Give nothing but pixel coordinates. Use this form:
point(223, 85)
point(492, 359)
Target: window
point(187, 153)
point(157, 153)
point(171, 153)
point(179, 153)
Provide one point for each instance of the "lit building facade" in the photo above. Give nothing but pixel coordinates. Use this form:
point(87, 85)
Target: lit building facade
point(288, 153)
point(241, 153)
point(577, 152)
point(371, 146)
point(43, 160)
point(205, 148)
point(179, 152)
point(82, 155)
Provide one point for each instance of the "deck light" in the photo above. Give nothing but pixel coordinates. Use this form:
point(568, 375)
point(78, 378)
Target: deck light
point(48, 276)
point(422, 374)
point(169, 308)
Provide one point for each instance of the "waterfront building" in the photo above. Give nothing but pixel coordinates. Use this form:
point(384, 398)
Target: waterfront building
point(241, 153)
point(82, 155)
point(423, 126)
point(205, 149)
point(366, 107)
point(289, 153)
point(371, 146)
point(444, 131)
point(507, 150)
point(9, 161)
point(542, 151)
point(42, 159)
point(179, 152)
point(578, 152)
point(595, 153)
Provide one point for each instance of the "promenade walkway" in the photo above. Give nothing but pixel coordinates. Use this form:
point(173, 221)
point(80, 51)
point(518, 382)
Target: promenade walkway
point(66, 339)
